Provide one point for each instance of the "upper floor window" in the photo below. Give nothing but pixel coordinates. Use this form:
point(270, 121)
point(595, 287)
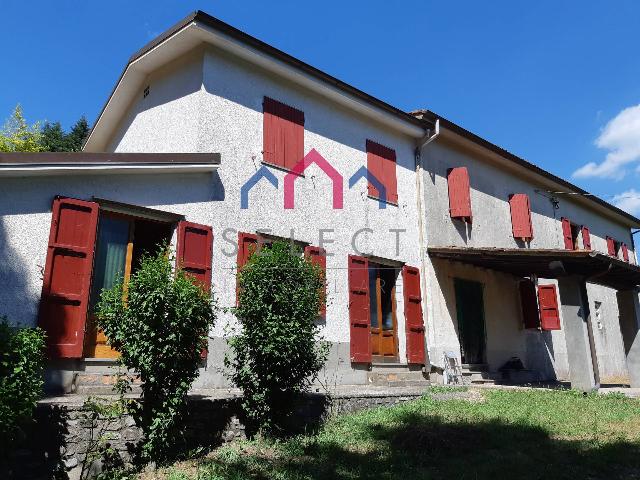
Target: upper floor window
point(381, 163)
point(521, 216)
point(459, 193)
point(570, 232)
point(283, 134)
point(614, 248)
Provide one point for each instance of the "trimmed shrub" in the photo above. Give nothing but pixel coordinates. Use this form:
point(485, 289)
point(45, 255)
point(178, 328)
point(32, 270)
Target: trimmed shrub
point(278, 352)
point(158, 323)
point(22, 362)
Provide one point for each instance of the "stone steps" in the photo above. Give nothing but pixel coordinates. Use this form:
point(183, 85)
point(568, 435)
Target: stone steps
point(100, 383)
point(476, 374)
point(396, 375)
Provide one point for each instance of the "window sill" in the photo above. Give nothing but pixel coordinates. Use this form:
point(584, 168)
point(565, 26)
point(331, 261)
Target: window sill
point(281, 168)
point(388, 202)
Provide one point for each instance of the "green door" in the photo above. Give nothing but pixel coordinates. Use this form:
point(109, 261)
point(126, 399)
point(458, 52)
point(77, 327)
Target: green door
point(470, 311)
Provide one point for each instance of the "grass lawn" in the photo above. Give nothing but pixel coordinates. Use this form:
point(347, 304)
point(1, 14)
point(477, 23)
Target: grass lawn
point(449, 434)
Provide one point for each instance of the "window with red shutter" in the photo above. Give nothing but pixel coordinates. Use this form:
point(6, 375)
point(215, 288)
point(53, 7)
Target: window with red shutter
point(194, 255)
point(318, 256)
point(194, 251)
point(381, 163)
point(611, 247)
point(548, 304)
point(521, 216)
point(567, 235)
point(67, 276)
point(283, 134)
point(529, 304)
point(459, 193)
point(359, 320)
point(625, 252)
point(586, 238)
point(413, 315)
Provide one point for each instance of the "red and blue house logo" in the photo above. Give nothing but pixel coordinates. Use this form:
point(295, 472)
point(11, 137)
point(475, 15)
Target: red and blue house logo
point(313, 157)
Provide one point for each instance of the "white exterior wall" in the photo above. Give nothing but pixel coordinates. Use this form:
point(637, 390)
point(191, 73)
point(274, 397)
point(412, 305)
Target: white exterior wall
point(491, 186)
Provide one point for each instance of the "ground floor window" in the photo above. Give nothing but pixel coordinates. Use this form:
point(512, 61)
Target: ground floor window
point(382, 308)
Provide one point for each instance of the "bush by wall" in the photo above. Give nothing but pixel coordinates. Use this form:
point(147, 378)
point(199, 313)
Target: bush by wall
point(158, 323)
point(22, 362)
point(277, 353)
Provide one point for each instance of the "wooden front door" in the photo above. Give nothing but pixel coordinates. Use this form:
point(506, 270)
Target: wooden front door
point(382, 307)
point(471, 329)
point(112, 263)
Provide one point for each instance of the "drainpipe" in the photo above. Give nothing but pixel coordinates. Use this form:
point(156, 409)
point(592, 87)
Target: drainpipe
point(424, 141)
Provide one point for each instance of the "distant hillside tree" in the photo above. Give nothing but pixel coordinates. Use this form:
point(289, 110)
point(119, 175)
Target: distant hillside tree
point(17, 136)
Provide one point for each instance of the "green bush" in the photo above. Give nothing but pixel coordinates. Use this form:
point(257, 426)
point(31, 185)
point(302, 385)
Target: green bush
point(158, 323)
point(277, 353)
point(22, 362)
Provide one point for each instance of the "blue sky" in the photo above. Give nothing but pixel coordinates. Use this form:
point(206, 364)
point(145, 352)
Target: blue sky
point(554, 82)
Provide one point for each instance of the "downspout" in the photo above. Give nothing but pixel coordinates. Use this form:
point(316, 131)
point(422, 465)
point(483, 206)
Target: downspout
point(424, 141)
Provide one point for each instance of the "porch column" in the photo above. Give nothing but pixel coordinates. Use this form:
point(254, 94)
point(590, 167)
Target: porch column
point(629, 309)
point(576, 318)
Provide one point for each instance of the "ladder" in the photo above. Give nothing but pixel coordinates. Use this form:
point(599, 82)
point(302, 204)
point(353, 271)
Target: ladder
point(452, 370)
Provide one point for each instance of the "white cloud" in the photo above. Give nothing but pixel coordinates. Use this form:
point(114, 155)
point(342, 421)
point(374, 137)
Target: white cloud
point(628, 201)
point(621, 136)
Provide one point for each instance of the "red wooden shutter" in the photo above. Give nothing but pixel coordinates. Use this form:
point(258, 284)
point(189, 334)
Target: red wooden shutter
point(413, 315)
point(67, 276)
point(459, 193)
point(359, 309)
point(611, 246)
point(381, 163)
point(194, 252)
point(247, 244)
point(283, 134)
point(529, 303)
point(586, 238)
point(625, 252)
point(548, 303)
point(566, 233)
point(521, 216)
point(318, 256)
point(194, 255)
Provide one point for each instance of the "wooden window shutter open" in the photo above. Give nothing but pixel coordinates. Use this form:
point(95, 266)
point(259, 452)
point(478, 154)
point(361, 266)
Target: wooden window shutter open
point(566, 233)
point(318, 256)
point(611, 246)
point(521, 216)
point(381, 163)
point(413, 315)
point(548, 304)
point(625, 252)
point(283, 134)
point(529, 303)
point(247, 245)
point(586, 238)
point(359, 320)
point(459, 193)
point(67, 276)
point(194, 255)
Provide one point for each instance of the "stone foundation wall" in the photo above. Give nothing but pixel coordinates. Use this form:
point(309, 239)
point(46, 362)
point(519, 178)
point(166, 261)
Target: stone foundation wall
point(58, 444)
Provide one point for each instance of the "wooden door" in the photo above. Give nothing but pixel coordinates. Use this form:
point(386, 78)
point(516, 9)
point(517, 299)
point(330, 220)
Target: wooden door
point(471, 328)
point(382, 305)
point(112, 262)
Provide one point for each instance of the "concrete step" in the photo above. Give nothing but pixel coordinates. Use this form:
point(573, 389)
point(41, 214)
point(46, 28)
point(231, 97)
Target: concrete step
point(477, 374)
point(100, 383)
point(396, 375)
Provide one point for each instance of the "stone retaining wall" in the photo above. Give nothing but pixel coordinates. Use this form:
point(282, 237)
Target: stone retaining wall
point(59, 442)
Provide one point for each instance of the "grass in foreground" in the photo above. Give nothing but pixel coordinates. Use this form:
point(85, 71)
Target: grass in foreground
point(494, 434)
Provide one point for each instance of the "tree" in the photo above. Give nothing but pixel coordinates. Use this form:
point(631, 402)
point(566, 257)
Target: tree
point(18, 136)
point(77, 136)
point(158, 323)
point(278, 353)
point(53, 138)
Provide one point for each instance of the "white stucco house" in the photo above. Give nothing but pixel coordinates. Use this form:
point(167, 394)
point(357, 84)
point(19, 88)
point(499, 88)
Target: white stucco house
point(437, 244)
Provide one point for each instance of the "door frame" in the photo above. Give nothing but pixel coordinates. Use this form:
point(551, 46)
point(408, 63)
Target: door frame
point(394, 316)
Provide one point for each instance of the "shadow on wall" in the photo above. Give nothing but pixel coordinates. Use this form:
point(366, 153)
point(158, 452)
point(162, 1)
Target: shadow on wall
point(15, 295)
point(415, 445)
